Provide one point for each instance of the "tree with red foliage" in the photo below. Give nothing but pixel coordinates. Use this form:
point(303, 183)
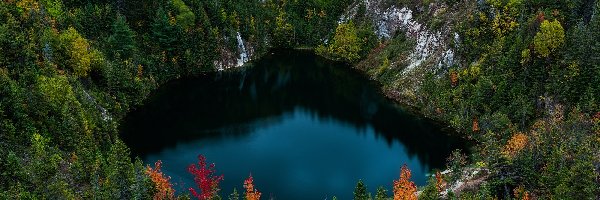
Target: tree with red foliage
point(251, 192)
point(205, 179)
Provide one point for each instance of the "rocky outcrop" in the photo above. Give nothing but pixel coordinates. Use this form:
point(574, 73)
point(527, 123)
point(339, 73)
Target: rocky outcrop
point(470, 179)
point(432, 51)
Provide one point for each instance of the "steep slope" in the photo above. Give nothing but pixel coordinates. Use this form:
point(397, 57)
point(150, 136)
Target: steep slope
point(516, 77)
point(70, 71)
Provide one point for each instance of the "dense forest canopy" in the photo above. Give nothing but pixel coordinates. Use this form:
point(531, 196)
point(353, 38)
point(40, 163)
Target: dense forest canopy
point(70, 70)
point(526, 87)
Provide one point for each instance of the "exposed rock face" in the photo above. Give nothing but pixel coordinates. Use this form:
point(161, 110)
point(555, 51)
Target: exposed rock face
point(432, 51)
point(470, 179)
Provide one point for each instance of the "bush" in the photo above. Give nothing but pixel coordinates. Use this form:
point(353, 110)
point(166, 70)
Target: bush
point(345, 45)
point(549, 39)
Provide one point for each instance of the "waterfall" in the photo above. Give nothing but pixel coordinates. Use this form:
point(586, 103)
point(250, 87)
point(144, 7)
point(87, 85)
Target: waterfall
point(242, 49)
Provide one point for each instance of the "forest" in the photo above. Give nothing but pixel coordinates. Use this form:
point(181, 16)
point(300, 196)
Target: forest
point(525, 88)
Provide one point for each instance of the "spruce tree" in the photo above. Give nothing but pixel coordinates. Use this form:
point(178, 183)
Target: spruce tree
point(121, 41)
point(381, 193)
point(234, 195)
point(163, 33)
point(360, 191)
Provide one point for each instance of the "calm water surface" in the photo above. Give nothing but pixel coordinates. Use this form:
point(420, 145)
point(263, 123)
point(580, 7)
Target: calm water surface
point(304, 127)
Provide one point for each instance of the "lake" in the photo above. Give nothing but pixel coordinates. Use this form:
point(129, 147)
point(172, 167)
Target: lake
point(303, 126)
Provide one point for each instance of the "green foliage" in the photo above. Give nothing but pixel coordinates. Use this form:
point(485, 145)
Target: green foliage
point(345, 44)
point(61, 98)
point(94, 21)
point(550, 38)
point(80, 54)
point(430, 191)
point(54, 8)
point(284, 31)
point(164, 33)
point(121, 41)
point(517, 63)
point(124, 179)
point(57, 92)
point(360, 191)
point(483, 192)
point(381, 193)
point(234, 195)
point(456, 162)
point(517, 75)
point(185, 17)
point(61, 111)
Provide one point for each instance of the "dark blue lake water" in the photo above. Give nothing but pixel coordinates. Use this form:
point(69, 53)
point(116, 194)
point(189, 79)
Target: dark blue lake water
point(305, 127)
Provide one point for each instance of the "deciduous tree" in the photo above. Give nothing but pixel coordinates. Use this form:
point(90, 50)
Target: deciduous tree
point(205, 179)
point(550, 37)
point(164, 188)
point(251, 192)
point(404, 189)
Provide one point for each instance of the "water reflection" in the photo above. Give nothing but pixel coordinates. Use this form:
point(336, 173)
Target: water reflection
point(300, 124)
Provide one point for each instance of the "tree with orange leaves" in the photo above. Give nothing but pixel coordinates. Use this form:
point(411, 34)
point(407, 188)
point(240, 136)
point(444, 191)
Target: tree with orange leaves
point(454, 78)
point(251, 192)
point(521, 193)
point(164, 188)
point(440, 184)
point(515, 144)
point(475, 124)
point(404, 189)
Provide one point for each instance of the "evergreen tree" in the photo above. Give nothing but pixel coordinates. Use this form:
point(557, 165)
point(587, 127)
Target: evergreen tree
point(234, 195)
point(360, 191)
point(121, 41)
point(284, 31)
point(381, 193)
point(164, 33)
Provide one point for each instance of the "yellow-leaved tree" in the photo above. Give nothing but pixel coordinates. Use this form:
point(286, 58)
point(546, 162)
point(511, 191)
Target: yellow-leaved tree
point(550, 37)
point(81, 55)
point(345, 45)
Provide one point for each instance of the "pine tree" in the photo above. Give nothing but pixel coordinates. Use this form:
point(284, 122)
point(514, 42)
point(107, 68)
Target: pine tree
point(360, 191)
point(120, 171)
point(234, 195)
point(121, 41)
point(164, 33)
point(284, 31)
point(381, 193)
